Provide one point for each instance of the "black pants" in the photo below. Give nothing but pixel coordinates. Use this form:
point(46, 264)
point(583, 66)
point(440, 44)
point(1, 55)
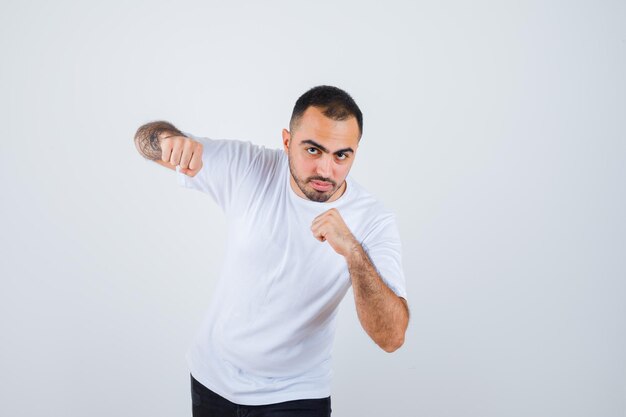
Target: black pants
point(206, 403)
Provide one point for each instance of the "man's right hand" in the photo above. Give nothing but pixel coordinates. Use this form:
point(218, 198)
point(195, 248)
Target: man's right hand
point(161, 142)
point(180, 150)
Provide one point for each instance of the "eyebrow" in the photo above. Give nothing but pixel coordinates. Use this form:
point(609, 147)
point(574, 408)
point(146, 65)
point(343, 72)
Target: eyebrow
point(323, 149)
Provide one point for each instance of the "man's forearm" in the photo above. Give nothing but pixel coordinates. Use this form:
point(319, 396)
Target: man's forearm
point(383, 314)
point(148, 135)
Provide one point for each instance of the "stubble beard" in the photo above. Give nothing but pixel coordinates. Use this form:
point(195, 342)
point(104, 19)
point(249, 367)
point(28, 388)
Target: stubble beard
point(311, 193)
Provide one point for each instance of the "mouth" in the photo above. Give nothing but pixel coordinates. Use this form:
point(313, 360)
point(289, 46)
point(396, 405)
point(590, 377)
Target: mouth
point(321, 186)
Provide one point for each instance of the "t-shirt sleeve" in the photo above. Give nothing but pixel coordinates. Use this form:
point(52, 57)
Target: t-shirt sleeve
point(224, 164)
point(385, 251)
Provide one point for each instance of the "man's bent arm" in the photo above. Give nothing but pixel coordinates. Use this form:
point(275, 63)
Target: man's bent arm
point(383, 314)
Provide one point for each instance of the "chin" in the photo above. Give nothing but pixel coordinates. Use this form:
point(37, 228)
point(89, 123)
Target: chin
point(320, 198)
point(314, 195)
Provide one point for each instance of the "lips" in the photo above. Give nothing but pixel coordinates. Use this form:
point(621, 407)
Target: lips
point(321, 185)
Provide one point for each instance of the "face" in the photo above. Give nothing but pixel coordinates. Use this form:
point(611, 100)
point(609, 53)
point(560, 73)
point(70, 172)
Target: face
point(321, 152)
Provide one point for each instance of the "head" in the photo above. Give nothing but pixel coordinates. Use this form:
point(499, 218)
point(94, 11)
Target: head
point(324, 133)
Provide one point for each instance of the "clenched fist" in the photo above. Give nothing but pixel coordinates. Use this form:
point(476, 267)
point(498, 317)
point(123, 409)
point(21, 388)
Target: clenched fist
point(183, 151)
point(162, 142)
point(330, 227)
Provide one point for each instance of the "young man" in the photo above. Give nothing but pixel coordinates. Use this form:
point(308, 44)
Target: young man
point(301, 232)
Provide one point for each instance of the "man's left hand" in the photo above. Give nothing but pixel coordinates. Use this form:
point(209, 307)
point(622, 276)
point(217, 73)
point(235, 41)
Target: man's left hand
point(329, 226)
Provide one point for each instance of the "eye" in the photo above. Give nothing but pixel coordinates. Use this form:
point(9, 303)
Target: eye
point(341, 156)
point(312, 151)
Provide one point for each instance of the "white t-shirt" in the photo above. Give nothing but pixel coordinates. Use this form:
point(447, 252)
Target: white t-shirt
point(268, 332)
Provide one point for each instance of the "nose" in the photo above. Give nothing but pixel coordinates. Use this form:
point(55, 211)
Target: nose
point(324, 167)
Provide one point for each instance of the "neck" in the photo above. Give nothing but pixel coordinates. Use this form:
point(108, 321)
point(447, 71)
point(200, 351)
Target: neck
point(339, 192)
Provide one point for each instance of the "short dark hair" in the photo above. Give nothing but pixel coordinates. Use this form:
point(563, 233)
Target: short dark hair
point(335, 104)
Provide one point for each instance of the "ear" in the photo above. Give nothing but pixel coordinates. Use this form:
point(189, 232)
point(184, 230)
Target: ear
point(286, 140)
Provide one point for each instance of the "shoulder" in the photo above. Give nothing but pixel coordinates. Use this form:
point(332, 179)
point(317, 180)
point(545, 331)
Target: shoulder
point(365, 201)
point(372, 215)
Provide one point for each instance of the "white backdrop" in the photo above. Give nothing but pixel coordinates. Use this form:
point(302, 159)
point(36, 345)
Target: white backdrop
point(495, 130)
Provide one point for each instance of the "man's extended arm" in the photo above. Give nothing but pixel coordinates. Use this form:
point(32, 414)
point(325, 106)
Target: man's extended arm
point(147, 138)
point(164, 144)
point(383, 314)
